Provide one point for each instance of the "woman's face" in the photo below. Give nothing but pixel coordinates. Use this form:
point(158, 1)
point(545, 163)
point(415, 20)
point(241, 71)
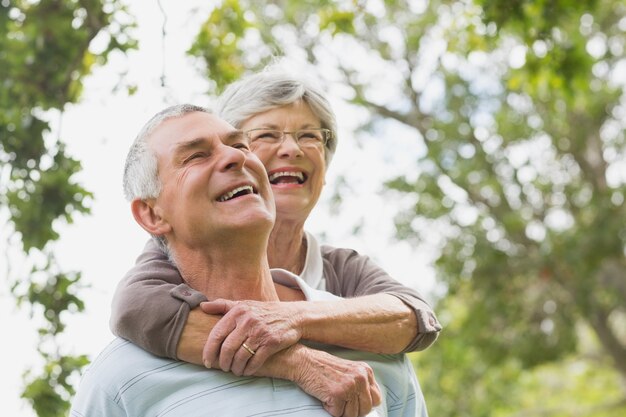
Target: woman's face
point(296, 172)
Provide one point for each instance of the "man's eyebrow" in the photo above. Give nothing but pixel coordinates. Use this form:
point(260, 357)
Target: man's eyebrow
point(232, 136)
point(186, 145)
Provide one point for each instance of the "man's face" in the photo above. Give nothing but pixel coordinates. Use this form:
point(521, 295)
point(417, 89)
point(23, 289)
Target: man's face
point(213, 187)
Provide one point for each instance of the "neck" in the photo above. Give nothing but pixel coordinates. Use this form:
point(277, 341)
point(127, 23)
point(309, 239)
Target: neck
point(286, 248)
point(234, 272)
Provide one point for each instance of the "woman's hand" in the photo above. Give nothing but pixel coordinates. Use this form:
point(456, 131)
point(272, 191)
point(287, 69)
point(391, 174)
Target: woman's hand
point(272, 329)
point(346, 388)
point(265, 327)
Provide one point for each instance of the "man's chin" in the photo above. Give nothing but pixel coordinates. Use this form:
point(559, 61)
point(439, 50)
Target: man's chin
point(246, 219)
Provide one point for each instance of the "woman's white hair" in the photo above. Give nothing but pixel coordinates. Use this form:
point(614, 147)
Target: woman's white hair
point(141, 172)
point(272, 88)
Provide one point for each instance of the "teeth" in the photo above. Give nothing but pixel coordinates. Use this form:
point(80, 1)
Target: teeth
point(298, 175)
point(231, 193)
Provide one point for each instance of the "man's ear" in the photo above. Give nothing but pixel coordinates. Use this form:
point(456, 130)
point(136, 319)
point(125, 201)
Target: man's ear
point(148, 217)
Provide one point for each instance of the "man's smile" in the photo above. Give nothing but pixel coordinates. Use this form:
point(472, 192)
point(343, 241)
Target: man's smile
point(236, 192)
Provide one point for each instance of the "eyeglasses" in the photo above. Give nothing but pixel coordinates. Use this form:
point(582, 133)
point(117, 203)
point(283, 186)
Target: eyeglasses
point(305, 138)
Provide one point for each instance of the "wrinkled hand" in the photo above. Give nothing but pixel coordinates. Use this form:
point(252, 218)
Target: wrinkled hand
point(265, 327)
point(345, 388)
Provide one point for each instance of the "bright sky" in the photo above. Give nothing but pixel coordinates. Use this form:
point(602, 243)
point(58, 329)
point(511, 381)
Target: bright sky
point(98, 132)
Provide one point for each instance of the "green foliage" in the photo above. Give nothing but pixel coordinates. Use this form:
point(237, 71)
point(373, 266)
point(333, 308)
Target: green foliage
point(222, 32)
point(458, 366)
point(519, 109)
point(518, 200)
point(583, 384)
point(537, 18)
point(51, 196)
point(50, 393)
point(52, 292)
point(243, 35)
point(44, 57)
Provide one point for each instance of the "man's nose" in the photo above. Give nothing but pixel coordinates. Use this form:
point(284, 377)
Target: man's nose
point(232, 158)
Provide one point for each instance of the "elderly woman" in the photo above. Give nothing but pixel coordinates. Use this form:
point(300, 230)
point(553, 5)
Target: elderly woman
point(292, 129)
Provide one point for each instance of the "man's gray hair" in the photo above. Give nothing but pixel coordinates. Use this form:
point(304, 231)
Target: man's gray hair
point(141, 173)
point(274, 88)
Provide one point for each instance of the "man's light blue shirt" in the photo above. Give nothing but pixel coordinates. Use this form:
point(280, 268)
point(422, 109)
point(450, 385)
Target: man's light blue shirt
point(125, 380)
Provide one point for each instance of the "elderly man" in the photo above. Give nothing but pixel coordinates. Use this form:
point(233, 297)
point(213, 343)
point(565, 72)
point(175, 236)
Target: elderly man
point(195, 186)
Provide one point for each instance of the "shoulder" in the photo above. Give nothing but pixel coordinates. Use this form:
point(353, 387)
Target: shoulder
point(345, 260)
point(126, 380)
point(117, 364)
point(97, 393)
point(338, 255)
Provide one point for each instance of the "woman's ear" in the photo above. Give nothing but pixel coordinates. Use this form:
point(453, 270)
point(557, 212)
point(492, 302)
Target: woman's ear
point(148, 217)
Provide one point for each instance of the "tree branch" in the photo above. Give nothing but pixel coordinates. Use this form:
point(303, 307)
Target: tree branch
point(599, 320)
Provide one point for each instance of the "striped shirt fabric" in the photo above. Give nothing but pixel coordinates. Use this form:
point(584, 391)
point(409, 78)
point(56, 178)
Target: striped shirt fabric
point(125, 380)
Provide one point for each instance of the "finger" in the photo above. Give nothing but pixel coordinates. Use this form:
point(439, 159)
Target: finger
point(230, 347)
point(365, 385)
point(217, 336)
point(219, 306)
point(334, 408)
point(256, 361)
point(375, 395)
point(365, 403)
point(240, 360)
point(352, 408)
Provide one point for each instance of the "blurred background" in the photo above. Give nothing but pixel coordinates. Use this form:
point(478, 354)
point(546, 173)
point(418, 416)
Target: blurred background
point(481, 160)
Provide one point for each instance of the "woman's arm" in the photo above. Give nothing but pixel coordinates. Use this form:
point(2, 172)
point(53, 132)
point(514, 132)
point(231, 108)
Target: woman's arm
point(378, 323)
point(151, 308)
point(150, 305)
point(345, 387)
point(354, 276)
point(383, 317)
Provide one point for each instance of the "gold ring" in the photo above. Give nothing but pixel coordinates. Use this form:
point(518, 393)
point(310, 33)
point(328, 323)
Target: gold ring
point(248, 348)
